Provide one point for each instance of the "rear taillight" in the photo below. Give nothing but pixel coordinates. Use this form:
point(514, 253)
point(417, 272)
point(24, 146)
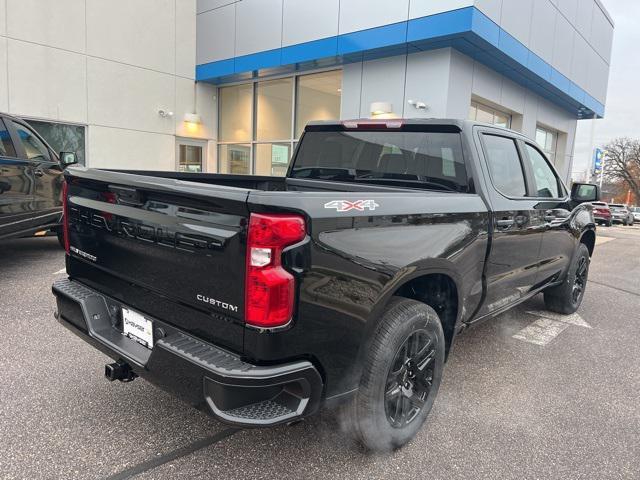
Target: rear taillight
point(65, 215)
point(270, 289)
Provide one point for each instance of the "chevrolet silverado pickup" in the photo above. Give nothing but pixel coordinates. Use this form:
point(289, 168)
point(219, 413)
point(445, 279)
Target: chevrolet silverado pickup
point(343, 285)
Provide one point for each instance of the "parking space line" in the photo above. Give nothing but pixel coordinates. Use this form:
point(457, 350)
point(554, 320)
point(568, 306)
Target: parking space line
point(615, 288)
point(573, 319)
point(60, 272)
point(173, 455)
point(602, 239)
point(541, 332)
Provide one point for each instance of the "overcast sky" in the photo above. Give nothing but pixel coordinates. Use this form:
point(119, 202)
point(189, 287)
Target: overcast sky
point(622, 118)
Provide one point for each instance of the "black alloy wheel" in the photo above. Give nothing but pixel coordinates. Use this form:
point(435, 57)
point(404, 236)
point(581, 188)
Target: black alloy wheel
point(402, 370)
point(567, 297)
point(410, 379)
point(580, 282)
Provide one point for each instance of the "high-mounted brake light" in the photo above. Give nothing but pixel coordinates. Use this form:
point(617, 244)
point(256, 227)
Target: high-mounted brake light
point(372, 124)
point(269, 287)
point(65, 215)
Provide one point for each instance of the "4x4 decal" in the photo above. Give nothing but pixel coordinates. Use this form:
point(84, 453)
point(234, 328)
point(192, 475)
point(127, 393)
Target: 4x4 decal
point(346, 205)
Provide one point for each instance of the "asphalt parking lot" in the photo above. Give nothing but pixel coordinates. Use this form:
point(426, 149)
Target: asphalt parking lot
point(507, 408)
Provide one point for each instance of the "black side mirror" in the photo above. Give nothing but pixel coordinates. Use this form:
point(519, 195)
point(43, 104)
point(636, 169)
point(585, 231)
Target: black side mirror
point(584, 193)
point(68, 158)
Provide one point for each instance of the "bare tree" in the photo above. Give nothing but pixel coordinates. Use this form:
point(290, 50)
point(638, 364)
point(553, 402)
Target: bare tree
point(622, 163)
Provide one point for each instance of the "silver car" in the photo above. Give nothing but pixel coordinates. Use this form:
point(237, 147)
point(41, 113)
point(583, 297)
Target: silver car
point(635, 211)
point(621, 214)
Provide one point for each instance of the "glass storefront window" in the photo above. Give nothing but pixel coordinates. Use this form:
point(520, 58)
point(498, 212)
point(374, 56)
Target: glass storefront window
point(274, 103)
point(318, 98)
point(485, 114)
point(256, 120)
point(235, 113)
point(62, 137)
point(272, 158)
point(235, 159)
point(548, 141)
point(190, 158)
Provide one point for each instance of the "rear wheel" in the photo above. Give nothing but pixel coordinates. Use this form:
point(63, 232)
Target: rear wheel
point(401, 377)
point(60, 235)
point(567, 297)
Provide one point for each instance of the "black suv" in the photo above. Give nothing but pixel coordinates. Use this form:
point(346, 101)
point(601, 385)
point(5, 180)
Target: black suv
point(30, 181)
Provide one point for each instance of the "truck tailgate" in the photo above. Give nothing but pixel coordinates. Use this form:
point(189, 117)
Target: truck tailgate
point(172, 250)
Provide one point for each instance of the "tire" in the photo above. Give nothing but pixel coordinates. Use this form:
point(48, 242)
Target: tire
point(609, 223)
point(567, 297)
point(60, 235)
point(385, 415)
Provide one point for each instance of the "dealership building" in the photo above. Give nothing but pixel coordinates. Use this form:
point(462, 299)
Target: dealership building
point(227, 86)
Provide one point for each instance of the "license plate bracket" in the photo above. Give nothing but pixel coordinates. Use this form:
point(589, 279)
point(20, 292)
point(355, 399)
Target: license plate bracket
point(137, 327)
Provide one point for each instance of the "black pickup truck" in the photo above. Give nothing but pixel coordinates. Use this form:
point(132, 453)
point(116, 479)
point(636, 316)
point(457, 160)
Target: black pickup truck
point(30, 181)
point(260, 300)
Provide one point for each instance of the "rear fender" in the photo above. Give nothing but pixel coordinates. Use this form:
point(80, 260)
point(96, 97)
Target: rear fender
point(401, 278)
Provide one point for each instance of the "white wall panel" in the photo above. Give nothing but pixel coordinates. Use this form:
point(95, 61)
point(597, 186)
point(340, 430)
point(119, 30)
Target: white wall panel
point(3, 18)
point(512, 96)
point(129, 97)
point(205, 107)
point(305, 21)
point(423, 8)
point(140, 32)
point(351, 90)
point(186, 38)
point(491, 8)
point(460, 85)
point(46, 82)
point(428, 81)
point(530, 115)
point(516, 19)
point(569, 8)
point(543, 21)
point(584, 17)
point(258, 26)
point(216, 31)
point(487, 83)
point(362, 14)
point(580, 60)
point(563, 46)
point(598, 78)
point(59, 23)
point(383, 81)
point(4, 90)
point(601, 37)
point(127, 149)
point(206, 5)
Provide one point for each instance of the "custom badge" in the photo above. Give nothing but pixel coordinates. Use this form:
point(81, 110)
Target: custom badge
point(347, 206)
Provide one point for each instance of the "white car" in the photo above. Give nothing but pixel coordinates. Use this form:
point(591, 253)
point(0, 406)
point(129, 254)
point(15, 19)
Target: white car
point(621, 214)
point(635, 211)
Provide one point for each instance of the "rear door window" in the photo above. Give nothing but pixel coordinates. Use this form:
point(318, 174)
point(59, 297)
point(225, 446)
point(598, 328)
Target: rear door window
point(505, 166)
point(410, 159)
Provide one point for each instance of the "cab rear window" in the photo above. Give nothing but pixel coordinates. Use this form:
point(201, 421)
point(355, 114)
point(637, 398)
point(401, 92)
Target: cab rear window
point(432, 160)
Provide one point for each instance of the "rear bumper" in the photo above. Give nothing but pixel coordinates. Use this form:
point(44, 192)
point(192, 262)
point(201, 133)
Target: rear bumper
point(208, 377)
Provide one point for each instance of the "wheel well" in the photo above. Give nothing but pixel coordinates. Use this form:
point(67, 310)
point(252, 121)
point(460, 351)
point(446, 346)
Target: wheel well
point(589, 239)
point(439, 291)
